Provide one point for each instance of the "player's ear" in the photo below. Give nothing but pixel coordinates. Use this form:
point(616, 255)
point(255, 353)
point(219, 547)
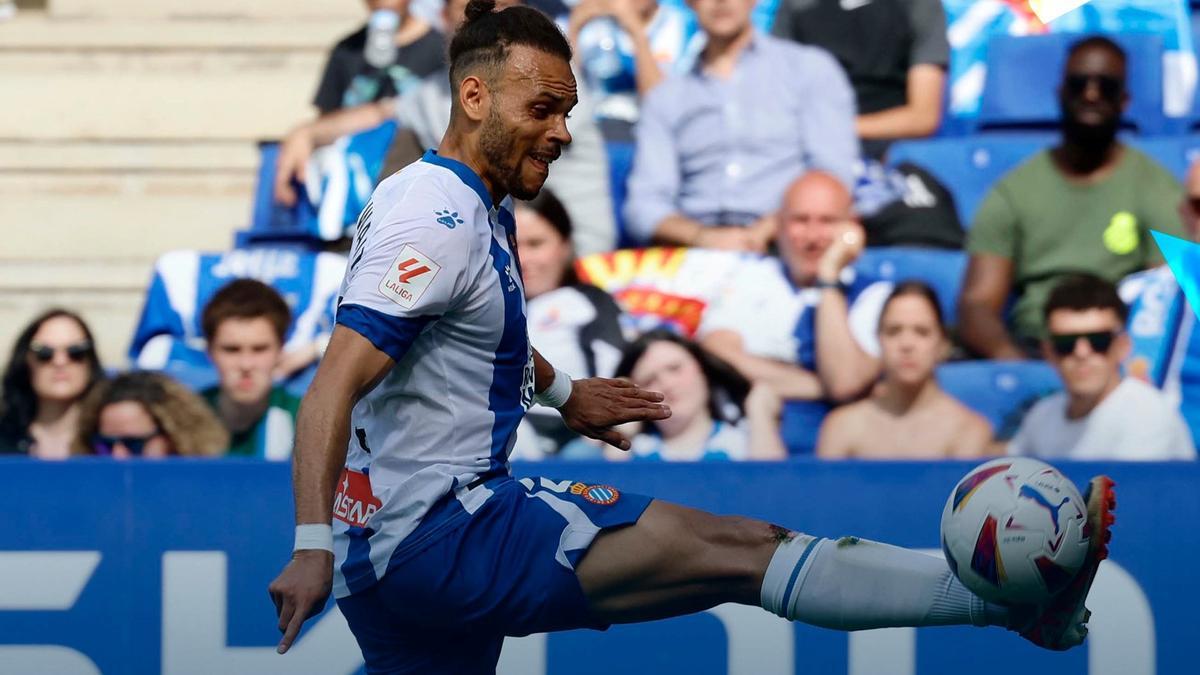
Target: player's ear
point(474, 98)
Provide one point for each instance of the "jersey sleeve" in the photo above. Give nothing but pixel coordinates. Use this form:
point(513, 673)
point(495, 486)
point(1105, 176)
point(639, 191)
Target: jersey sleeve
point(406, 271)
point(930, 43)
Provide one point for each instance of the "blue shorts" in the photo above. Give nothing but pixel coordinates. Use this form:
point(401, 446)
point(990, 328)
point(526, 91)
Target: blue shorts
point(508, 569)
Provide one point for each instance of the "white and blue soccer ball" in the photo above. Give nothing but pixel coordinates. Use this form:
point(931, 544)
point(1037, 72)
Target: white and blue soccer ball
point(1014, 531)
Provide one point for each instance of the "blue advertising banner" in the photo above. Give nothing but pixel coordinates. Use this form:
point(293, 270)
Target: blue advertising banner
point(162, 567)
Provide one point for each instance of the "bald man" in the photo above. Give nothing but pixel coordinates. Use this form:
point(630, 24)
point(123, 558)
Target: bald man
point(804, 324)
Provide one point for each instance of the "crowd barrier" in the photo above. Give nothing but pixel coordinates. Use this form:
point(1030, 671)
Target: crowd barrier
point(162, 567)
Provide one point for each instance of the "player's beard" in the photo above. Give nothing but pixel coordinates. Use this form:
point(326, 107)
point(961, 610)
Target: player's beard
point(498, 145)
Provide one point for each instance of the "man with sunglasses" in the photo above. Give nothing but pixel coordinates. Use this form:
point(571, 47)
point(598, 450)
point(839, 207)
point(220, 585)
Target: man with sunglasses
point(1100, 414)
point(1085, 205)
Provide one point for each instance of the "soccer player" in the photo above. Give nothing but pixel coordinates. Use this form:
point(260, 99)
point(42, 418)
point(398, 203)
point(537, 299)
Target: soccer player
point(436, 553)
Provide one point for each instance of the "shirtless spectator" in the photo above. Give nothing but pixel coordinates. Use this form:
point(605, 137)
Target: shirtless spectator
point(908, 416)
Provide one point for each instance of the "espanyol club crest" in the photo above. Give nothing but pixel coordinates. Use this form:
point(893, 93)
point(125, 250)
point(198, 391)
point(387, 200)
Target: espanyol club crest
point(596, 494)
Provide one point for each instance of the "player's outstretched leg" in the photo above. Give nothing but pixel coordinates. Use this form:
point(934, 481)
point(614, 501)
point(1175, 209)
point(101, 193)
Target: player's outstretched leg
point(1062, 623)
point(677, 560)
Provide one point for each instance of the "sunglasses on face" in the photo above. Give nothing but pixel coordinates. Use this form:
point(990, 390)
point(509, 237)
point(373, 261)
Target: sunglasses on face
point(77, 353)
point(1100, 341)
point(1110, 87)
point(105, 445)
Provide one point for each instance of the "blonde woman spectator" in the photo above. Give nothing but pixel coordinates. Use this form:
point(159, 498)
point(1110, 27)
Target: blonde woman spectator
point(52, 366)
point(707, 399)
point(148, 415)
point(908, 416)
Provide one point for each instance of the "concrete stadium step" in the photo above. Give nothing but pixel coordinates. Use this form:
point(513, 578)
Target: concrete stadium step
point(17, 156)
point(211, 9)
point(40, 32)
point(159, 79)
point(50, 216)
point(162, 96)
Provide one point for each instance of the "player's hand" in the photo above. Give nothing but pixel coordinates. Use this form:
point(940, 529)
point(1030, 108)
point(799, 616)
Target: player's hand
point(292, 163)
point(598, 404)
point(849, 238)
point(300, 592)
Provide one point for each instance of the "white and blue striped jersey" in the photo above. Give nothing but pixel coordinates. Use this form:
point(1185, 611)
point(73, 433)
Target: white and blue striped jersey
point(433, 282)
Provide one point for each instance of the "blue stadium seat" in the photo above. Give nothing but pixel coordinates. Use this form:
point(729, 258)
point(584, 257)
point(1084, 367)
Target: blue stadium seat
point(800, 426)
point(620, 163)
point(1024, 73)
point(942, 270)
point(999, 390)
point(1176, 153)
point(346, 172)
point(169, 337)
point(969, 165)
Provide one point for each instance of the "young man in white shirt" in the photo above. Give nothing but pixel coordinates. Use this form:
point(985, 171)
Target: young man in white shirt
point(1100, 414)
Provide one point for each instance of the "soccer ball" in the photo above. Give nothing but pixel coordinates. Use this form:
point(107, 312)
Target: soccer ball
point(1014, 531)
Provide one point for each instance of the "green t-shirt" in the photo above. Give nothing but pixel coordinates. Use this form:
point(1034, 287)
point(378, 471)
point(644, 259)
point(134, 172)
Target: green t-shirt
point(271, 437)
point(1051, 228)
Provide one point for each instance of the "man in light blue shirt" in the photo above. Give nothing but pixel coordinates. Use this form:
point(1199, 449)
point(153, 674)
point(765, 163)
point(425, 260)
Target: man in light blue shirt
point(718, 145)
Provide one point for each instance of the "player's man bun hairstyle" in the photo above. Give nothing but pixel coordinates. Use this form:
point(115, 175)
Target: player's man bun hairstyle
point(486, 36)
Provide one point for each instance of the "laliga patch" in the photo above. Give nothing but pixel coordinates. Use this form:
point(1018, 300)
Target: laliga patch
point(408, 277)
point(596, 494)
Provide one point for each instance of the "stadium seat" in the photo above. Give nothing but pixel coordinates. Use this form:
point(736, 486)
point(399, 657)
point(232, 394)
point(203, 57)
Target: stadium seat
point(1001, 391)
point(969, 165)
point(942, 270)
point(169, 337)
point(800, 426)
point(342, 175)
point(1176, 153)
point(620, 163)
point(1024, 73)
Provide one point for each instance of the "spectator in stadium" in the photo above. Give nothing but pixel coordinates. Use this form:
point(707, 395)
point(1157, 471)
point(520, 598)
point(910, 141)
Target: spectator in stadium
point(52, 367)
point(351, 79)
point(1086, 205)
point(895, 52)
point(244, 326)
point(580, 176)
point(718, 145)
point(1101, 414)
point(576, 326)
point(907, 416)
point(624, 48)
point(144, 414)
point(715, 413)
point(804, 324)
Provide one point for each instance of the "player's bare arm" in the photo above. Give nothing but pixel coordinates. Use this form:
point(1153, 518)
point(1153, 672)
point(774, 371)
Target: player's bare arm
point(352, 366)
point(597, 404)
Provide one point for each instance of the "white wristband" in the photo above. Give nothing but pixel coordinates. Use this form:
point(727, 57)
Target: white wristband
point(556, 395)
point(309, 537)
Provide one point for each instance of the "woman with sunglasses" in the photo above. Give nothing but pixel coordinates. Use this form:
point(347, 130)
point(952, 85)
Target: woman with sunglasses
point(52, 367)
point(145, 414)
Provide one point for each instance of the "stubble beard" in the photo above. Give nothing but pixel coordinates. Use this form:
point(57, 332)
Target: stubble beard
point(496, 144)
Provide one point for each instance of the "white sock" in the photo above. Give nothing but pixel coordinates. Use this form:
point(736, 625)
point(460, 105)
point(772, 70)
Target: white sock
point(856, 584)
